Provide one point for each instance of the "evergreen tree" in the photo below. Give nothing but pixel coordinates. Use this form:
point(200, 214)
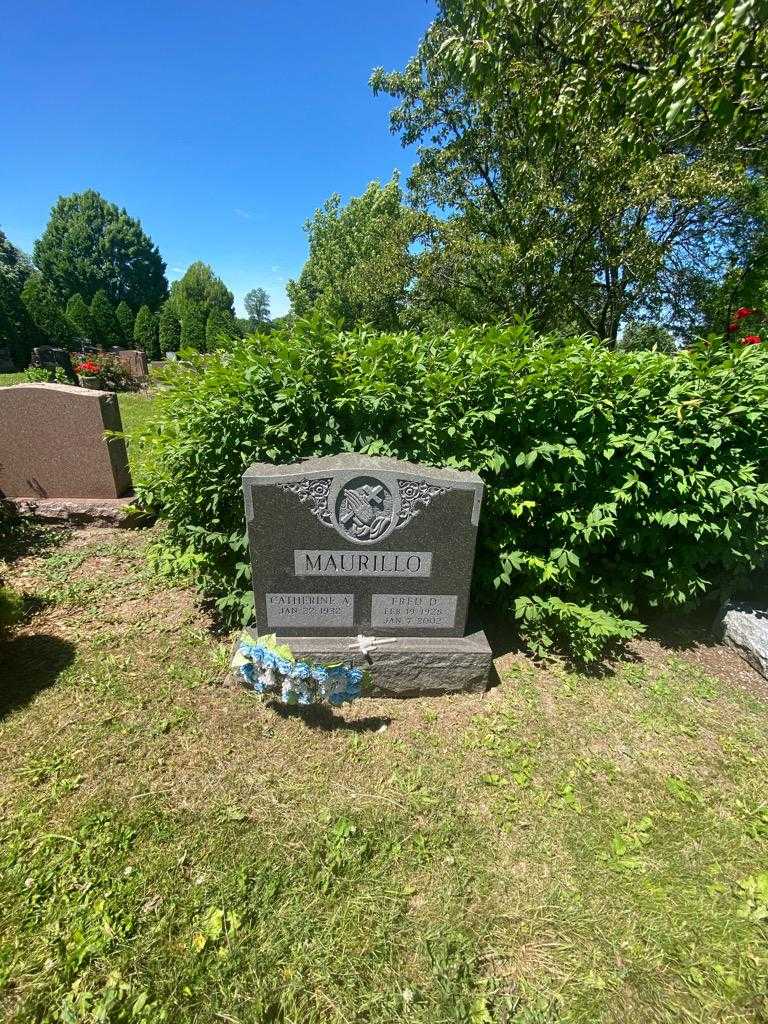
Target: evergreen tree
point(90, 245)
point(169, 329)
point(220, 328)
point(201, 287)
point(79, 315)
point(18, 332)
point(145, 332)
point(193, 328)
point(105, 326)
point(125, 318)
point(193, 298)
point(43, 308)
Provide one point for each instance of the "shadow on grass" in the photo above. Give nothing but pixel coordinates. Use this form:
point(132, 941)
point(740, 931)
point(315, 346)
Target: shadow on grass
point(21, 535)
point(321, 718)
point(674, 631)
point(28, 665)
point(681, 631)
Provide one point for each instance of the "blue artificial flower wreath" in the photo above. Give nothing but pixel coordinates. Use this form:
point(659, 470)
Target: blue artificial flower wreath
point(268, 667)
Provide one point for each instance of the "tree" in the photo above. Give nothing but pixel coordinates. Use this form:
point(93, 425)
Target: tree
point(646, 337)
point(545, 209)
point(125, 318)
point(201, 287)
point(91, 245)
point(220, 329)
point(696, 68)
point(145, 333)
point(360, 264)
point(43, 308)
point(193, 297)
point(256, 304)
point(18, 332)
point(169, 329)
point(193, 328)
point(79, 315)
point(105, 326)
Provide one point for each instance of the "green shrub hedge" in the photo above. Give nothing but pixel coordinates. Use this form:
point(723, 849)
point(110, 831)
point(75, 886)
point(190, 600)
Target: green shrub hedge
point(616, 481)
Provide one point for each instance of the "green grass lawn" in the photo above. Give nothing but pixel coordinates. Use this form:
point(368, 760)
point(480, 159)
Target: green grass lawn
point(137, 411)
point(566, 848)
point(7, 379)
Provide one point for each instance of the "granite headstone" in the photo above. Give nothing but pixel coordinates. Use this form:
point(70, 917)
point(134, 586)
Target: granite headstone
point(52, 443)
point(48, 357)
point(6, 362)
point(133, 361)
point(351, 545)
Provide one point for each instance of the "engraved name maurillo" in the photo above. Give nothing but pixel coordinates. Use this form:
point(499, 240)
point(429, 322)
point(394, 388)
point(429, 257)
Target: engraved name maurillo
point(362, 563)
point(365, 510)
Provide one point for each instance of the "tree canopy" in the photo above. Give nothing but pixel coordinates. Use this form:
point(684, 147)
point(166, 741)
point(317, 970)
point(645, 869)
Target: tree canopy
point(360, 263)
point(169, 329)
point(697, 69)
point(125, 317)
point(92, 245)
point(44, 310)
point(105, 324)
point(79, 315)
point(145, 334)
point(551, 201)
point(193, 298)
point(18, 332)
point(256, 304)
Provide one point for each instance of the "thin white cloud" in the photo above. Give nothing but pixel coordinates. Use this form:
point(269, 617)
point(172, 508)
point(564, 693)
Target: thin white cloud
point(243, 214)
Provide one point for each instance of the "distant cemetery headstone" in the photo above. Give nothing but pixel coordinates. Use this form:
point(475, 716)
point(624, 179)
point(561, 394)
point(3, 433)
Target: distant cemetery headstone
point(134, 361)
point(349, 545)
point(52, 443)
point(47, 357)
point(6, 363)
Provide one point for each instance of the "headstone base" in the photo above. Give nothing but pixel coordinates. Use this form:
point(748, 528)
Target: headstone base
point(73, 511)
point(408, 666)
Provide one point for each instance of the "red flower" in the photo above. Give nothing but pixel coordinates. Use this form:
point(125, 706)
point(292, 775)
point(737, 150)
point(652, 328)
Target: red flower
point(751, 339)
point(741, 313)
point(88, 366)
point(732, 328)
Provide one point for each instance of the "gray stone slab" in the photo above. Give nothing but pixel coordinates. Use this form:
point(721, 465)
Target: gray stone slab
point(375, 528)
point(409, 666)
point(75, 511)
point(744, 626)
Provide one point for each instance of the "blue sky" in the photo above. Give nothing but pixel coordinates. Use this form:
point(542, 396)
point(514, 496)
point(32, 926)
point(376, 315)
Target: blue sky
point(221, 125)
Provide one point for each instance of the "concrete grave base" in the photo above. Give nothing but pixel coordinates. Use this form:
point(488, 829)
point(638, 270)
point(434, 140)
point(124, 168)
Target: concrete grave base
point(409, 666)
point(74, 511)
point(744, 626)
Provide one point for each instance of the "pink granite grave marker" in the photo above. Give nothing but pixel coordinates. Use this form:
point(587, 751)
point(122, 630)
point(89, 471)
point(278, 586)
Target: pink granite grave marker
point(52, 443)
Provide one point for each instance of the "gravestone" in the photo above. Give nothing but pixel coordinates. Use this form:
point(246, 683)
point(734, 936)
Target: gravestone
point(350, 545)
point(52, 443)
point(47, 357)
point(743, 625)
point(133, 361)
